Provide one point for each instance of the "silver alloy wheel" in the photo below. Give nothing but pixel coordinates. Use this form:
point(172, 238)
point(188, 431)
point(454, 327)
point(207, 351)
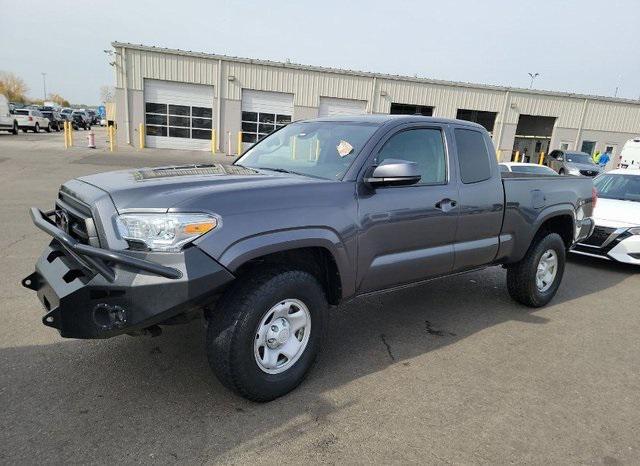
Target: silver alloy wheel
point(282, 336)
point(547, 270)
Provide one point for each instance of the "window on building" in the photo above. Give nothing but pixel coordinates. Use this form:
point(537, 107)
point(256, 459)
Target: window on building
point(486, 119)
point(588, 147)
point(410, 109)
point(256, 125)
point(178, 121)
point(422, 146)
point(473, 157)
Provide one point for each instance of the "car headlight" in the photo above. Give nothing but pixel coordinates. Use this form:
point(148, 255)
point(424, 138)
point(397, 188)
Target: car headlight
point(634, 230)
point(165, 232)
point(574, 171)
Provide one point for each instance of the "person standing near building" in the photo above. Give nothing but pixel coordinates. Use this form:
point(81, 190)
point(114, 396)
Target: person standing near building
point(596, 157)
point(604, 158)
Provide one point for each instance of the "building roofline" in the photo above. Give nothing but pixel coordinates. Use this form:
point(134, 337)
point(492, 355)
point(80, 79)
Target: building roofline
point(322, 69)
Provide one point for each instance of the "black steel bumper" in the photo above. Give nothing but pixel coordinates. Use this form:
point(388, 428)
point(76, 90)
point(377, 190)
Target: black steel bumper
point(90, 292)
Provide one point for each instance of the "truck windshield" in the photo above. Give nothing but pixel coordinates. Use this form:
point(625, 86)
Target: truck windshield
point(623, 187)
point(321, 149)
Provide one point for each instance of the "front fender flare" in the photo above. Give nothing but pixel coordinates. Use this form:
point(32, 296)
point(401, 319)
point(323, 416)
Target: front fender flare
point(278, 241)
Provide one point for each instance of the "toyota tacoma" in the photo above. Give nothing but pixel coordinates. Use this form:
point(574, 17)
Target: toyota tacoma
point(316, 213)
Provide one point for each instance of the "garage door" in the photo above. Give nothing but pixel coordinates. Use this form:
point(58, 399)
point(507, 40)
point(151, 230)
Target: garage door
point(263, 112)
point(178, 115)
point(330, 106)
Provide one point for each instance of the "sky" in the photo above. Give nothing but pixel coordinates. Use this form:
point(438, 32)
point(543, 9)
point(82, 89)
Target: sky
point(587, 46)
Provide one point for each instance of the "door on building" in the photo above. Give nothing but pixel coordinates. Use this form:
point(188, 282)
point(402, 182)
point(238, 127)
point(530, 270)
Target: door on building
point(330, 106)
point(178, 115)
point(264, 112)
point(533, 136)
point(486, 119)
point(588, 147)
point(410, 109)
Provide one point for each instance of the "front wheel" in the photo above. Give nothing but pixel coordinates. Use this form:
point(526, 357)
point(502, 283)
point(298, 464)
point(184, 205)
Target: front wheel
point(36, 128)
point(267, 332)
point(14, 131)
point(535, 280)
point(562, 172)
point(48, 128)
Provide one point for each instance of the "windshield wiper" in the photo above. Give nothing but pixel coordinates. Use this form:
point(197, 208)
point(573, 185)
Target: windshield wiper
point(279, 170)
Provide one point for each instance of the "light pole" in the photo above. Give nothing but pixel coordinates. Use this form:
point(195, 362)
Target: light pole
point(533, 76)
point(44, 87)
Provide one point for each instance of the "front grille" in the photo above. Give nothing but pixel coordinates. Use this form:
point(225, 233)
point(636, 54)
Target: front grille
point(589, 172)
point(599, 236)
point(74, 217)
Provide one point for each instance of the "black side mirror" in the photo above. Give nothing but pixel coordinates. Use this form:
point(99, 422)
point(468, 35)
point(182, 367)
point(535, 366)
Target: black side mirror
point(394, 172)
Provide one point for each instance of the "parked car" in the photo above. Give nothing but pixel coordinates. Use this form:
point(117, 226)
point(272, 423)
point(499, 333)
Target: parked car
point(8, 121)
point(93, 116)
point(630, 155)
point(66, 113)
point(86, 119)
point(526, 168)
point(363, 204)
point(617, 217)
point(572, 163)
point(32, 119)
point(78, 121)
point(103, 121)
point(54, 117)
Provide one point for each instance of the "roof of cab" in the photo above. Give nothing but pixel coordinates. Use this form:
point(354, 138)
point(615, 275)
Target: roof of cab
point(384, 119)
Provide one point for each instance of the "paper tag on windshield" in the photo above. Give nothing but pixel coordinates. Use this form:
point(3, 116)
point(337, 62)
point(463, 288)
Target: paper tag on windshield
point(344, 148)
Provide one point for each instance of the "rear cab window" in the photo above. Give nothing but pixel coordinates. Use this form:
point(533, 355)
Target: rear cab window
point(473, 156)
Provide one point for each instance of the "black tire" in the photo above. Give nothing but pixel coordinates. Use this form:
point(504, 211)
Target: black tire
point(231, 331)
point(48, 128)
point(57, 128)
point(562, 172)
point(521, 276)
point(36, 128)
point(14, 131)
point(89, 128)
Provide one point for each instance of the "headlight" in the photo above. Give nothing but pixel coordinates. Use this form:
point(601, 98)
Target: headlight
point(165, 232)
point(574, 171)
point(634, 230)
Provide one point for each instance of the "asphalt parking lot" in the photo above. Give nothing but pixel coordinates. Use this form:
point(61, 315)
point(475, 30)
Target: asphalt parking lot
point(449, 372)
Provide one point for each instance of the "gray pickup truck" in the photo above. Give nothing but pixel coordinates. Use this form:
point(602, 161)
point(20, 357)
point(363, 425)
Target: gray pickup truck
point(318, 212)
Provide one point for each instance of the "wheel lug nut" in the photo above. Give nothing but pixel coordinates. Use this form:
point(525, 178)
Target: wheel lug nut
point(274, 328)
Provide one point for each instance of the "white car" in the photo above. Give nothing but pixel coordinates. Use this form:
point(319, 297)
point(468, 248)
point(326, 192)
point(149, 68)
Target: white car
point(8, 121)
point(630, 155)
point(527, 168)
point(617, 217)
point(31, 119)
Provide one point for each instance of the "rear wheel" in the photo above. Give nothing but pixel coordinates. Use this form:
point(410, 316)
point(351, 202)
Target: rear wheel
point(267, 332)
point(36, 128)
point(48, 128)
point(535, 280)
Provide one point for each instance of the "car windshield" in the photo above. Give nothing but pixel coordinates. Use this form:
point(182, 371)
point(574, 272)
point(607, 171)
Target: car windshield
point(579, 158)
point(321, 149)
point(537, 169)
point(623, 187)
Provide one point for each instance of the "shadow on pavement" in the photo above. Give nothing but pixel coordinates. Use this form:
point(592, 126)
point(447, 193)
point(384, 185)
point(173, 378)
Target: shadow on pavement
point(141, 399)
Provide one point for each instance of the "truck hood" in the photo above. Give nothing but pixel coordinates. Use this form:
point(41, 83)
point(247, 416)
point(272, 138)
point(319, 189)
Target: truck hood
point(615, 213)
point(583, 166)
point(167, 187)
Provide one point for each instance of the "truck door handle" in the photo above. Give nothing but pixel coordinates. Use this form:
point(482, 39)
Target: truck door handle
point(446, 204)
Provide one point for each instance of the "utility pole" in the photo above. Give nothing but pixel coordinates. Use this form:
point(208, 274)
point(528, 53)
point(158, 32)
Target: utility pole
point(44, 87)
point(615, 94)
point(533, 76)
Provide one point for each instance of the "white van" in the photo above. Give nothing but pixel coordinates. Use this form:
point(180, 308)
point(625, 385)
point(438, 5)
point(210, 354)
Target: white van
point(8, 122)
point(630, 155)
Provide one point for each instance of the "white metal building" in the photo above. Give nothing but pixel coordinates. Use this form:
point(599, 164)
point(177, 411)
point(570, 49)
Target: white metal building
point(181, 96)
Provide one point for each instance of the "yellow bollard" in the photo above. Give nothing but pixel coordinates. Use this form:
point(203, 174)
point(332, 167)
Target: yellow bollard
point(541, 159)
point(213, 141)
point(71, 134)
point(239, 142)
point(517, 156)
point(141, 135)
point(64, 128)
point(111, 138)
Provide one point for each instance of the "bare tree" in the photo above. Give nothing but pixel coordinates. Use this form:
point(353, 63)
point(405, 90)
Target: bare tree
point(13, 86)
point(106, 94)
point(57, 98)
